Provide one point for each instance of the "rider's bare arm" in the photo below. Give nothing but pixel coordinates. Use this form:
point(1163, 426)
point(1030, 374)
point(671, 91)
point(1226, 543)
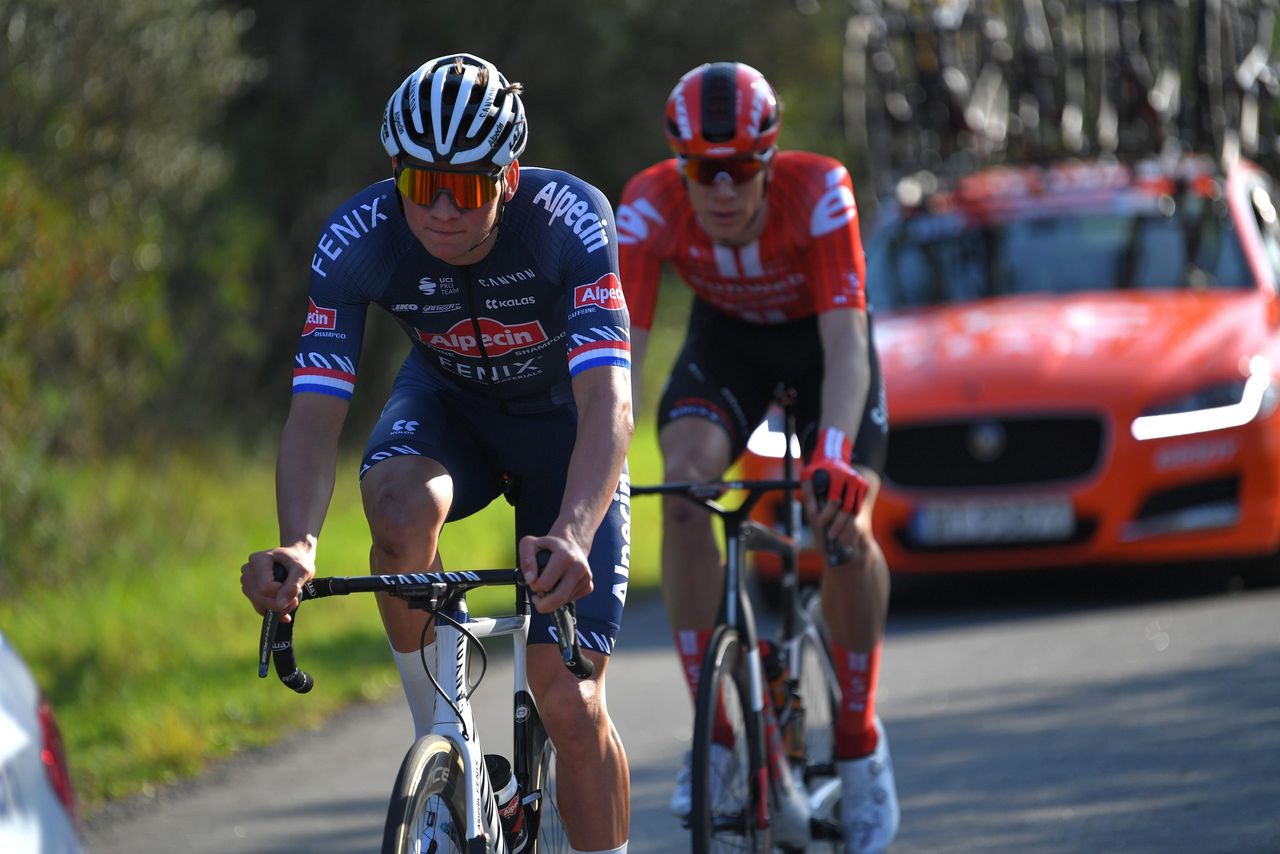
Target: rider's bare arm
point(845, 382)
point(846, 368)
point(605, 425)
point(639, 343)
point(305, 472)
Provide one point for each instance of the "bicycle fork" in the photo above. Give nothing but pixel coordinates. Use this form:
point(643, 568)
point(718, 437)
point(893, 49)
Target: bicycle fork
point(790, 816)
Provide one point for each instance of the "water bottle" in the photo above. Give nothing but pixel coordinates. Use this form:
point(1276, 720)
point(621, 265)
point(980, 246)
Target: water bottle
point(786, 702)
point(510, 809)
point(775, 672)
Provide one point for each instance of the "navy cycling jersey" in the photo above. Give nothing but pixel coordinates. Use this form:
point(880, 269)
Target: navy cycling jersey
point(544, 305)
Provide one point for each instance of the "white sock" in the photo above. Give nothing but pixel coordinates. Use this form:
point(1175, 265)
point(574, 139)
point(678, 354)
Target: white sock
point(621, 849)
point(418, 689)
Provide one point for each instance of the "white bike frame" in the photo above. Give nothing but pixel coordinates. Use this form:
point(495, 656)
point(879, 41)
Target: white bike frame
point(453, 719)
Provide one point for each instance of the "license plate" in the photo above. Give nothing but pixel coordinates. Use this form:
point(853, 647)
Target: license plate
point(988, 521)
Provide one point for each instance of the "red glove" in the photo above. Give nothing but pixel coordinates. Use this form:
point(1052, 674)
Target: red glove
point(845, 486)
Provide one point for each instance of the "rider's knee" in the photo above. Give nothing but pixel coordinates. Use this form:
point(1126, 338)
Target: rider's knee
point(689, 464)
point(570, 708)
point(398, 518)
point(686, 466)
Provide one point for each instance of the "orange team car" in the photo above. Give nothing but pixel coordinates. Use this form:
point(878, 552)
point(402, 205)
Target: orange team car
point(1081, 365)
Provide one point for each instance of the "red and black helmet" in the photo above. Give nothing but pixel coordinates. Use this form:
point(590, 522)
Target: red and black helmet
point(722, 109)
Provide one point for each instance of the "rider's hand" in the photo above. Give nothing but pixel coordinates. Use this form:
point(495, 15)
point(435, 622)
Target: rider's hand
point(566, 577)
point(847, 488)
point(259, 586)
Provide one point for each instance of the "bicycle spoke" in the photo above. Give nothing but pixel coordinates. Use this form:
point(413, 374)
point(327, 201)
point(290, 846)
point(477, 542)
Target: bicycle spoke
point(551, 835)
point(426, 813)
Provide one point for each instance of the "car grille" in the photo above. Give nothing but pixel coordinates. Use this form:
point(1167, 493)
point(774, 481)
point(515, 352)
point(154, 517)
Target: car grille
point(1085, 529)
point(997, 451)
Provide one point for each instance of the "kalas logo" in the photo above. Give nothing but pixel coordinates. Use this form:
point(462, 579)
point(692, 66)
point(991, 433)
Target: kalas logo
point(319, 317)
point(497, 338)
point(605, 292)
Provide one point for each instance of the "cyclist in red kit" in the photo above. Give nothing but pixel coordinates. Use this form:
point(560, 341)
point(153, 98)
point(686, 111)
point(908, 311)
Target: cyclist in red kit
point(768, 240)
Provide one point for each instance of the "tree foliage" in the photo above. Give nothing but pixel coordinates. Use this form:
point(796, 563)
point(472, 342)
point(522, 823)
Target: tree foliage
point(107, 170)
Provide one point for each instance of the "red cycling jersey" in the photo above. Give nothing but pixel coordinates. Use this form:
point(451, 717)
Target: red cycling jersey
point(808, 259)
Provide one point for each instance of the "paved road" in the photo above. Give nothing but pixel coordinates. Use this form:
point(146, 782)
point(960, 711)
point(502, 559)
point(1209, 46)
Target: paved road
point(1081, 712)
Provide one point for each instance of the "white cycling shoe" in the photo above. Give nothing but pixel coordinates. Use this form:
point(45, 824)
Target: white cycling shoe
point(724, 764)
point(869, 800)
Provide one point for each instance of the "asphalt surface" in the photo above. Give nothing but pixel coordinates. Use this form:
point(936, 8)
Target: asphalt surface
point(1134, 711)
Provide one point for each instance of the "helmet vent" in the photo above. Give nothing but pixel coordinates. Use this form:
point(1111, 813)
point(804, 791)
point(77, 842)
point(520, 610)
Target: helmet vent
point(719, 93)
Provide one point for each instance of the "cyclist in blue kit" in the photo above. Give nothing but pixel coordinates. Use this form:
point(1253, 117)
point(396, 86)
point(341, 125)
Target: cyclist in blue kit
point(505, 280)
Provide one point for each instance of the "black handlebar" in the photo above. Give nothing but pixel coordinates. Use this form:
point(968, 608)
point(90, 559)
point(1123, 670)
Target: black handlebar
point(276, 643)
point(706, 491)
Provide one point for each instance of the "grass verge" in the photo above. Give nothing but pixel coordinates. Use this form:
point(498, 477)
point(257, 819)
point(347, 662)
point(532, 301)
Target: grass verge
point(148, 651)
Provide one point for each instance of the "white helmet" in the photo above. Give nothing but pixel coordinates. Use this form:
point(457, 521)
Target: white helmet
point(459, 110)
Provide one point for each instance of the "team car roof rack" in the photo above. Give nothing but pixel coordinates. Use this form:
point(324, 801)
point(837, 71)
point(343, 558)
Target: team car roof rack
point(937, 89)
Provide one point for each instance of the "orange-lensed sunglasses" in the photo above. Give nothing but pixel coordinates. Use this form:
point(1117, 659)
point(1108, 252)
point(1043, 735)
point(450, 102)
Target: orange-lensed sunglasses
point(705, 170)
point(468, 189)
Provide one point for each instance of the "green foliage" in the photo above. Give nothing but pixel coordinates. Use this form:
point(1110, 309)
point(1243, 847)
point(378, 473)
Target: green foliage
point(107, 188)
point(73, 338)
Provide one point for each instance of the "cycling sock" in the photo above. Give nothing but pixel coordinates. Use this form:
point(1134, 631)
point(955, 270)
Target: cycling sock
point(691, 644)
point(621, 849)
point(418, 689)
point(857, 673)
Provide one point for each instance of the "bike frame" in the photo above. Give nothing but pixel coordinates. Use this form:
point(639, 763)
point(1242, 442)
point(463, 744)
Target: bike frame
point(443, 594)
point(793, 819)
point(453, 718)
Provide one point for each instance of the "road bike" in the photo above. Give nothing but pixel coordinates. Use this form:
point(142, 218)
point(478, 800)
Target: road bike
point(763, 762)
point(443, 799)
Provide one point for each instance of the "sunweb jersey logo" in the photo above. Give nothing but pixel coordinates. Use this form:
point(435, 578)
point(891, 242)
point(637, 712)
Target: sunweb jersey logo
point(497, 337)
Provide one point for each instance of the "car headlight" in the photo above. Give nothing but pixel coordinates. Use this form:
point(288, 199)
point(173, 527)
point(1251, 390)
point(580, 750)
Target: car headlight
point(1216, 407)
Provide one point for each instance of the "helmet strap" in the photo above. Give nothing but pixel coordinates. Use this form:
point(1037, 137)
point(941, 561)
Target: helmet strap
point(502, 207)
point(497, 221)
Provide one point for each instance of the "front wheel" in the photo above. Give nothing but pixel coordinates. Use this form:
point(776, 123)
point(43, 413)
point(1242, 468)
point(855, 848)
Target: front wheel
point(551, 837)
point(730, 789)
point(428, 806)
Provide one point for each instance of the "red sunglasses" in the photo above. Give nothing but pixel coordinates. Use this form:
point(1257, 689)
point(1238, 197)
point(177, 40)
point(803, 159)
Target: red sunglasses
point(469, 189)
point(705, 170)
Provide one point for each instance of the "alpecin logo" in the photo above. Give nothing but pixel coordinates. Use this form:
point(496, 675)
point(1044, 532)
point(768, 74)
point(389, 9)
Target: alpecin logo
point(497, 337)
point(318, 318)
point(605, 292)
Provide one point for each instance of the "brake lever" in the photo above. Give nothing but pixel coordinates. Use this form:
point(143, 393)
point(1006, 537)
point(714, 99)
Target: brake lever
point(270, 626)
point(836, 551)
point(277, 642)
point(566, 620)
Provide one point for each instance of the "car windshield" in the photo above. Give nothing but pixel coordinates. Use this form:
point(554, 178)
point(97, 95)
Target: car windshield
point(1139, 242)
